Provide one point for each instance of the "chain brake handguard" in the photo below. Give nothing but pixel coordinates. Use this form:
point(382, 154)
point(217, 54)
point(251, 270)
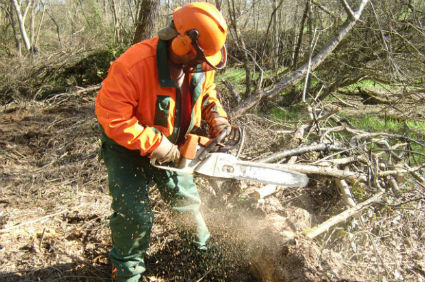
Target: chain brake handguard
point(195, 149)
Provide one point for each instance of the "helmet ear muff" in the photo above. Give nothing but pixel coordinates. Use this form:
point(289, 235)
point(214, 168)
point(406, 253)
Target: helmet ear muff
point(181, 45)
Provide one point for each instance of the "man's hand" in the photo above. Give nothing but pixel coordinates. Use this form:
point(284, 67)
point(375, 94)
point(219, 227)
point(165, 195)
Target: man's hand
point(166, 151)
point(219, 124)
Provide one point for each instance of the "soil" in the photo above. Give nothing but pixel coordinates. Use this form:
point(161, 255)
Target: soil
point(54, 210)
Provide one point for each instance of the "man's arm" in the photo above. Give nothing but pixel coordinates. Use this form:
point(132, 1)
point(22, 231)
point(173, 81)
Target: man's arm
point(115, 106)
point(212, 110)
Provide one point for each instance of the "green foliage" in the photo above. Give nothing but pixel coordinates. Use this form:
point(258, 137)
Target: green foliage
point(416, 125)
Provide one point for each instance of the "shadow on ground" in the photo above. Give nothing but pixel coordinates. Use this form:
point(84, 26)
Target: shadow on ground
point(170, 263)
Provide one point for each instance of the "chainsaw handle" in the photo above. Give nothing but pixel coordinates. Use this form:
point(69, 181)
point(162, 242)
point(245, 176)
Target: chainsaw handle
point(234, 138)
point(188, 170)
point(212, 145)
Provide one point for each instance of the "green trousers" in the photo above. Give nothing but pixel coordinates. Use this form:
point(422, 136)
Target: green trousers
point(131, 222)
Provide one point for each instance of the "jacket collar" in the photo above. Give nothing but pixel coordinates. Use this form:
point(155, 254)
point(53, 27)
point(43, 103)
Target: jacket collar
point(162, 64)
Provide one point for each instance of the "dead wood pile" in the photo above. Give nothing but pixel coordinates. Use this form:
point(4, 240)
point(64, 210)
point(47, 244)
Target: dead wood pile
point(361, 217)
point(365, 169)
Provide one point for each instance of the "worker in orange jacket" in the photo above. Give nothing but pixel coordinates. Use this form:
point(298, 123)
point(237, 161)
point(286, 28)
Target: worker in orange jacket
point(156, 93)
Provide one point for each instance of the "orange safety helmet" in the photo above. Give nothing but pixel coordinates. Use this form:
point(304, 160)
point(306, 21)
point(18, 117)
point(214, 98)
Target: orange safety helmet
point(199, 27)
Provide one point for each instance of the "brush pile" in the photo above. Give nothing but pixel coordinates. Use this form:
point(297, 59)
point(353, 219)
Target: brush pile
point(361, 217)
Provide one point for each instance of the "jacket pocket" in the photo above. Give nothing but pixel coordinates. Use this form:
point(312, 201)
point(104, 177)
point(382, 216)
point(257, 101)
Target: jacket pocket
point(162, 110)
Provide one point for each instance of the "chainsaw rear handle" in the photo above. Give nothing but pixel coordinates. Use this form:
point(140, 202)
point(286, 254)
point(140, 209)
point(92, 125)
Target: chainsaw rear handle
point(188, 170)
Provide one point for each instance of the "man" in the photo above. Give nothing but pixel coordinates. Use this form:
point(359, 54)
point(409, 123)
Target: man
point(158, 91)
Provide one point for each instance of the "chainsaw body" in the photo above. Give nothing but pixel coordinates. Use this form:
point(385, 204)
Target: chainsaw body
point(211, 158)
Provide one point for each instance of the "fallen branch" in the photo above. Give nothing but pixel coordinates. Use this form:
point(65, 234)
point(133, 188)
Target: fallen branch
point(326, 171)
point(62, 97)
point(345, 192)
point(39, 219)
point(361, 134)
point(371, 97)
point(336, 162)
point(403, 170)
point(301, 150)
point(344, 102)
point(323, 227)
point(394, 186)
point(265, 191)
point(88, 89)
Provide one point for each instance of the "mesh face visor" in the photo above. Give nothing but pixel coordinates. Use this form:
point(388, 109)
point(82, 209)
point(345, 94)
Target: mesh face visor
point(201, 63)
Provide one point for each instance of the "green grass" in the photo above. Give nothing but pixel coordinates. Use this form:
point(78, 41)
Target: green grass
point(236, 76)
point(292, 113)
point(416, 125)
point(372, 84)
point(368, 84)
point(412, 129)
point(372, 123)
point(388, 125)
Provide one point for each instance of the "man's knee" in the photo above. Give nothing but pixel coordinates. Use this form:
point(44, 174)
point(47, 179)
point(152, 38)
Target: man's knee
point(133, 215)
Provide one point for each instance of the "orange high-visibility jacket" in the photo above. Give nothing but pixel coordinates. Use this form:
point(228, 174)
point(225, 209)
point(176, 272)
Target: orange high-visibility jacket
point(138, 101)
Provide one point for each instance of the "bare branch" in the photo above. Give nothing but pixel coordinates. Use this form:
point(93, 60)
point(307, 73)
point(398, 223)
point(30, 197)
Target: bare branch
point(325, 226)
point(324, 9)
point(302, 150)
point(348, 9)
point(345, 192)
point(325, 171)
point(298, 75)
point(232, 90)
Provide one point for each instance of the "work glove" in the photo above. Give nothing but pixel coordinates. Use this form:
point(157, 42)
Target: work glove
point(166, 151)
point(219, 124)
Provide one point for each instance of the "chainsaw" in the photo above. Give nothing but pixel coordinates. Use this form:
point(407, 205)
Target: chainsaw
point(210, 157)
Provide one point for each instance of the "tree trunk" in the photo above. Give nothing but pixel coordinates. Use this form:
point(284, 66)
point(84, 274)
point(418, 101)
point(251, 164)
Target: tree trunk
point(15, 30)
point(145, 20)
point(218, 4)
point(241, 45)
point(21, 22)
point(300, 35)
point(274, 36)
point(115, 17)
point(423, 24)
point(298, 75)
point(58, 31)
point(39, 26)
point(272, 26)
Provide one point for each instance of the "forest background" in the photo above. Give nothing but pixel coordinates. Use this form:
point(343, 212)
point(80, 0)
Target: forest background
point(333, 89)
